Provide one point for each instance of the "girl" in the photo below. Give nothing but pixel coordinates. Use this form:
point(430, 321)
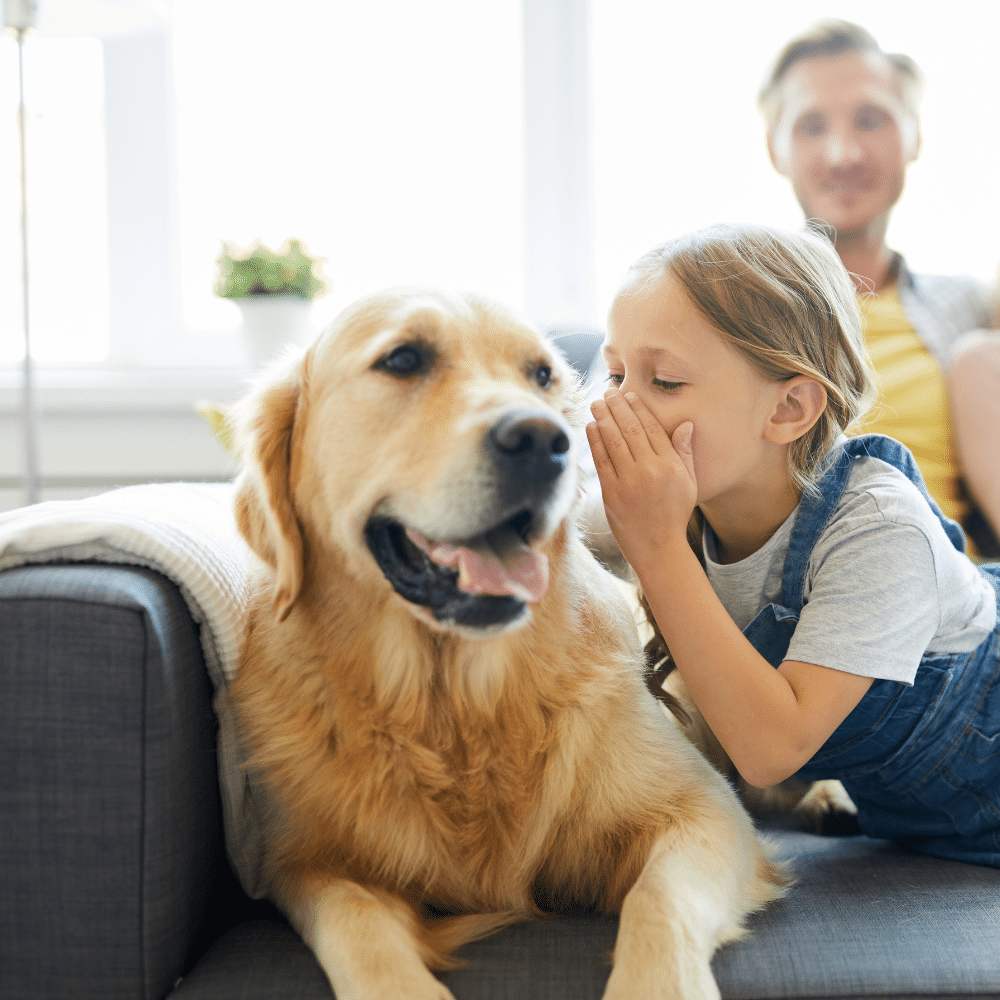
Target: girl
point(837, 629)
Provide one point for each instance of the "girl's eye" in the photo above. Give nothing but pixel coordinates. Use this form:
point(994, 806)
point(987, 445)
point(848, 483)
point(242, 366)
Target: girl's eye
point(667, 386)
point(615, 379)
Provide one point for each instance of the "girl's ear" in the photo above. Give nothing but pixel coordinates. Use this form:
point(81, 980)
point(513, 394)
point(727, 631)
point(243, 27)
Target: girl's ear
point(800, 403)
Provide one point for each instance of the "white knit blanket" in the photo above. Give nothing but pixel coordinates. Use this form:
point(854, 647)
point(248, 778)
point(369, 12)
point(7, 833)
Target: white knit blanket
point(186, 531)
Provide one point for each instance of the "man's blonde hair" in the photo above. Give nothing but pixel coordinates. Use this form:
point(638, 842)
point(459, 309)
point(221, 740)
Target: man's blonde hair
point(787, 303)
point(832, 37)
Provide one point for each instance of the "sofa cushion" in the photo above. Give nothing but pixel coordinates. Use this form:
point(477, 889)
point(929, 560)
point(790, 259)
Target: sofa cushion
point(864, 919)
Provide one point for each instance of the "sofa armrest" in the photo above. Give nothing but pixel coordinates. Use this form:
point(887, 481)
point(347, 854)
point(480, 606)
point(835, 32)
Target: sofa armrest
point(112, 833)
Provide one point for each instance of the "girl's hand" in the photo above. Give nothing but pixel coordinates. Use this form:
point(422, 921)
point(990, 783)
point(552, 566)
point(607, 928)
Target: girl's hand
point(647, 479)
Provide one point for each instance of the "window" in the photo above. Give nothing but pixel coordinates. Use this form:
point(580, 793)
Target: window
point(386, 136)
point(67, 201)
point(390, 137)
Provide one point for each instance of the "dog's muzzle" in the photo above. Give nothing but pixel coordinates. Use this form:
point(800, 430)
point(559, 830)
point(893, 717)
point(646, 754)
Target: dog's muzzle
point(486, 580)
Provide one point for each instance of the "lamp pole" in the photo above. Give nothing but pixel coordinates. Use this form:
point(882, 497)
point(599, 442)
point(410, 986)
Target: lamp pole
point(21, 16)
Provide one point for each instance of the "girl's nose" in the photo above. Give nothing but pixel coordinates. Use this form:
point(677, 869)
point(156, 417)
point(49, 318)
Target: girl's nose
point(626, 384)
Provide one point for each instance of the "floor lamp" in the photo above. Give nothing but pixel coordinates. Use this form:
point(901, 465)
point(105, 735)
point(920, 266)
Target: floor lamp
point(55, 17)
point(21, 16)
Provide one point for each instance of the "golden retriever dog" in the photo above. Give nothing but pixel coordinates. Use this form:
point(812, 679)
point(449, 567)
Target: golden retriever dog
point(442, 692)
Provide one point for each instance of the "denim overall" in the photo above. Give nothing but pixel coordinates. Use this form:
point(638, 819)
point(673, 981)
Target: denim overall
point(921, 763)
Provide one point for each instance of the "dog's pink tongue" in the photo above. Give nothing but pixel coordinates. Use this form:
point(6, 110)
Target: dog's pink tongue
point(520, 572)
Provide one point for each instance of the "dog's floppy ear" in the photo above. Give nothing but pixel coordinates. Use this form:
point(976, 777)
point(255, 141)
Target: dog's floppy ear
point(265, 514)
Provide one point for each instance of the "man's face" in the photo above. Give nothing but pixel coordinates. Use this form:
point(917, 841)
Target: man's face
point(844, 139)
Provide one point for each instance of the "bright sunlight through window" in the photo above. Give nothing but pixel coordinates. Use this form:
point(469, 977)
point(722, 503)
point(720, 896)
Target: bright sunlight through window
point(389, 137)
point(67, 201)
point(386, 136)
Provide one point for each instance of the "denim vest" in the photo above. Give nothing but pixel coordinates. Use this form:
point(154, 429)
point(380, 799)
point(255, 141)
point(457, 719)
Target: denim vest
point(921, 762)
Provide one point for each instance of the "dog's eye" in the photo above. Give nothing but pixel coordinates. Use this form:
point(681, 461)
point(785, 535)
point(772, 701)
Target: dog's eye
point(543, 376)
point(406, 360)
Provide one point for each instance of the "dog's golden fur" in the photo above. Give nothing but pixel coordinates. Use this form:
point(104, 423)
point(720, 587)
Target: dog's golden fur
point(417, 765)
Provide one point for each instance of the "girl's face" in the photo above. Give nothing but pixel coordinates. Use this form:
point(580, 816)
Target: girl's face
point(660, 347)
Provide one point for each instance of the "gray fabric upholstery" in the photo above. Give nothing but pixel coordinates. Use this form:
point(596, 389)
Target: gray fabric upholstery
point(109, 800)
point(259, 959)
point(579, 346)
point(864, 919)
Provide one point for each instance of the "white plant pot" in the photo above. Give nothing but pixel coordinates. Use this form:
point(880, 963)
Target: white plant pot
point(270, 322)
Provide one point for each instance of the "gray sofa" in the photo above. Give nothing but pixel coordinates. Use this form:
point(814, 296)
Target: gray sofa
point(114, 884)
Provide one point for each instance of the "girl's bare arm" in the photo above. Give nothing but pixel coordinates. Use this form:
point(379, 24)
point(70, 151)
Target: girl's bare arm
point(770, 722)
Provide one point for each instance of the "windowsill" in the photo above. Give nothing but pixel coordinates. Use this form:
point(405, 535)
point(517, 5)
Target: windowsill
point(103, 428)
point(103, 390)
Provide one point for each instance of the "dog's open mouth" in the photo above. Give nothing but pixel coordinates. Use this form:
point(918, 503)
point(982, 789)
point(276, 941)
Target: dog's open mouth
point(481, 581)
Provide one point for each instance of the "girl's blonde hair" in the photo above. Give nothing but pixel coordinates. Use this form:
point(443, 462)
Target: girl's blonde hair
point(787, 303)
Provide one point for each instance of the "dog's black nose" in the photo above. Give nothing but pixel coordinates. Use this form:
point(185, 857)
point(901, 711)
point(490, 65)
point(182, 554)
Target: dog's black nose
point(531, 441)
point(528, 431)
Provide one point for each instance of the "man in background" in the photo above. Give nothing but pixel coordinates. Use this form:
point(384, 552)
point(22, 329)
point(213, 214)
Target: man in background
point(843, 126)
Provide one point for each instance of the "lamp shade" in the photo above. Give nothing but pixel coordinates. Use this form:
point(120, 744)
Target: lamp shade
point(73, 18)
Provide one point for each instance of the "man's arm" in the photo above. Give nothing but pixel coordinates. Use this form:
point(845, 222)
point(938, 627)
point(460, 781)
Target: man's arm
point(974, 389)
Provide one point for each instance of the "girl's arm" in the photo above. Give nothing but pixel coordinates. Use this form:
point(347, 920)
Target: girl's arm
point(769, 721)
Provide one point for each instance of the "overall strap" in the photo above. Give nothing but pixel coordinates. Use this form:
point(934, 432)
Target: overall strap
point(816, 509)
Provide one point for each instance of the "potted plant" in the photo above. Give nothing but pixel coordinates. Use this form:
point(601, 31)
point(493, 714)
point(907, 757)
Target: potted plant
point(274, 290)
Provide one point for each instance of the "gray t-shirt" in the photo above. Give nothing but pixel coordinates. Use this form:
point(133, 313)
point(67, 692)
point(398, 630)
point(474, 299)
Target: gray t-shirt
point(884, 584)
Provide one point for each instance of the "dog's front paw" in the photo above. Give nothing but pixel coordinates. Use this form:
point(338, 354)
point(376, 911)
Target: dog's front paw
point(436, 991)
point(827, 809)
point(398, 985)
point(659, 981)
